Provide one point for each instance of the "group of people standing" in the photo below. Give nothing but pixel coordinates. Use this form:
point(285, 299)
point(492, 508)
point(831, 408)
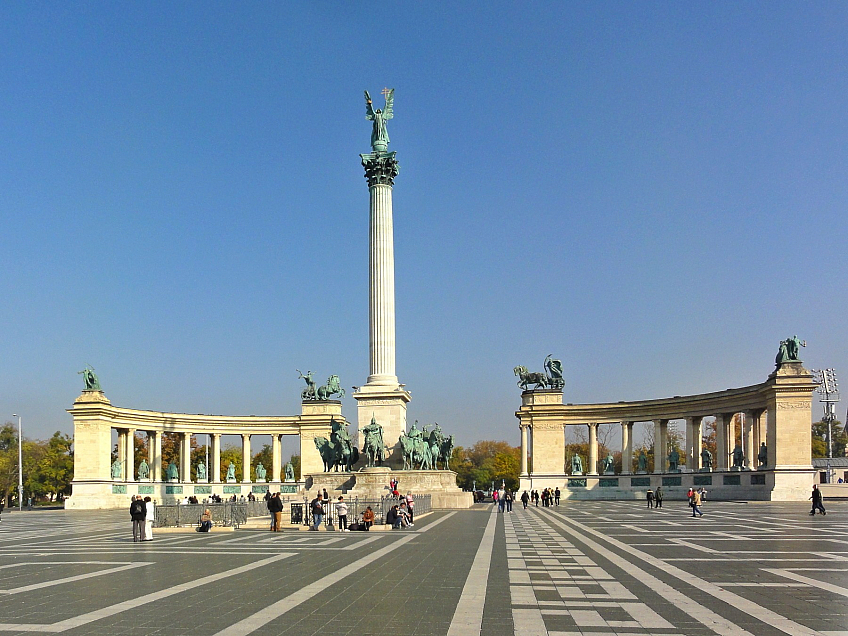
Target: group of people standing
point(142, 514)
point(503, 498)
point(549, 497)
point(655, 499)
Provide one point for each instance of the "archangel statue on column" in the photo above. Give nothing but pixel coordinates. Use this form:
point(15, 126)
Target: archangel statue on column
point(379, 134)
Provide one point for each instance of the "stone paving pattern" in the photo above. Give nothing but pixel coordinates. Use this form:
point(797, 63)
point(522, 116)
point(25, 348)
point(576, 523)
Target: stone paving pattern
point(582, 568)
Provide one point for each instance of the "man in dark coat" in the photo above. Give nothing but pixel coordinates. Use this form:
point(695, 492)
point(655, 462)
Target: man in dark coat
point(138, 511)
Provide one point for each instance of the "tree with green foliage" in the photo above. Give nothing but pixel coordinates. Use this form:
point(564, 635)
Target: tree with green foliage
point(486, 462)
point(819, 442)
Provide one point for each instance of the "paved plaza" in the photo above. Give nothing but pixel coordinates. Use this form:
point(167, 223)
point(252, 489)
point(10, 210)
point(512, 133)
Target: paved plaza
point(580, 568)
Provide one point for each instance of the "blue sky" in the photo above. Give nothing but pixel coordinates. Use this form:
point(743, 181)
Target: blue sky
point(653, 192)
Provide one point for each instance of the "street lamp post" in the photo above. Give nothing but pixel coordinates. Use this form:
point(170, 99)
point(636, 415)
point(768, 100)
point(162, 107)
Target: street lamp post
point(20, 465)
point(829, 391)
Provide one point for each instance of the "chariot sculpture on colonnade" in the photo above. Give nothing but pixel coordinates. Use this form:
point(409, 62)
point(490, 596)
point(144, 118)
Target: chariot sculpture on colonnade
point(552, 378)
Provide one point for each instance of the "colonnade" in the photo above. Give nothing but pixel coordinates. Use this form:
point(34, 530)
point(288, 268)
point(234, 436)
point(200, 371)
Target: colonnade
point(129, 469)
point(776, 413)
point(95, 419)
point(727, 426)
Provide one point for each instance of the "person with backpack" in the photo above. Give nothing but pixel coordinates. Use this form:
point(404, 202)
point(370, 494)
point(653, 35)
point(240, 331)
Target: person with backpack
point(525, 499)
point(650, 497)
point(138, 511)
point(275, 507)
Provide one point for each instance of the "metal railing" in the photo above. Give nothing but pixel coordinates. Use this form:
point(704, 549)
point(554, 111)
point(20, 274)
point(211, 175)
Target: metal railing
point(355, 507)
point(223, 514)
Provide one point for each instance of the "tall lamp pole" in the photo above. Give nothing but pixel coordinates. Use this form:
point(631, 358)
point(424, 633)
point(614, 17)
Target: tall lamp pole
point(829, 391)
point(20, 465)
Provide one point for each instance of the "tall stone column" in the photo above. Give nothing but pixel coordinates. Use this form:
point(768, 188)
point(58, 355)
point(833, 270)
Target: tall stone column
point(660, 445)
point(130, 454)
point(122, 452)
point(722, 453)
point(382, 397)
point(185, 457)
point(151, 454)
point(523, 451)
point(245, 458)
point(276, 458)
point(593, 449)
point(156, 464)
point(693, 441)
point(748, 439)
point(626, 448)
point(216, 459)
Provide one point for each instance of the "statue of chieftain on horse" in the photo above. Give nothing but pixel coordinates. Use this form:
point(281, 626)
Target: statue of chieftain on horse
point(552, 379)
point(424, 449)
point(338, 452)
point(312, 392)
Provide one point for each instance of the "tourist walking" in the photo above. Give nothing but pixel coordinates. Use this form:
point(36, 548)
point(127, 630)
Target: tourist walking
point(137, 514)
point(557, 494)
point(275, 507)
point(317, 509)
point(658, 497)
point(650, 497)
point(341, 513)
point(149, 515)
point(696, 504)
point(817, 501)
point(525, 499)
point(536, 498)
point(508, 498)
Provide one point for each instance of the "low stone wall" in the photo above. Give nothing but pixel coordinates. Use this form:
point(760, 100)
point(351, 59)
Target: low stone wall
point(745, 485)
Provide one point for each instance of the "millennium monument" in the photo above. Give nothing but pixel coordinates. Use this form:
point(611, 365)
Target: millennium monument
point(772, 420)
point(382, 397)
point(330, 455)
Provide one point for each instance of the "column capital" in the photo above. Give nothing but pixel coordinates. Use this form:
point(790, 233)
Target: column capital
point(380, 168)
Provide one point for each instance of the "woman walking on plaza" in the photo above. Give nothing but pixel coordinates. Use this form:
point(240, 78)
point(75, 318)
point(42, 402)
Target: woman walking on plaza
point(696, 504)
point(525, 499)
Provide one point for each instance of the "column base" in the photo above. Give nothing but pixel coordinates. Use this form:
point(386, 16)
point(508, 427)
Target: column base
point(387, 405)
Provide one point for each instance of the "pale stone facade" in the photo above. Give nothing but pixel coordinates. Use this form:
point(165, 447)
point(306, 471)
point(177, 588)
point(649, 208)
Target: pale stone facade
point(777, 412)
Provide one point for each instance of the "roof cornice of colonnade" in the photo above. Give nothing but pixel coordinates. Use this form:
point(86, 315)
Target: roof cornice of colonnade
point(94, 406)
point(750, 398)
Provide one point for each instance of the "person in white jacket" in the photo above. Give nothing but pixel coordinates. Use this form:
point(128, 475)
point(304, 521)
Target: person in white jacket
point(341, 513)
point(148, 520)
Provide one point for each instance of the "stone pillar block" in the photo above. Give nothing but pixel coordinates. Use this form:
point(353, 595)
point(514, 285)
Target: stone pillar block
point(389, 409)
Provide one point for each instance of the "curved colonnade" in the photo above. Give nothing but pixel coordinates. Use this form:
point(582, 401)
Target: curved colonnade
point(777, 412)
point(95, 418)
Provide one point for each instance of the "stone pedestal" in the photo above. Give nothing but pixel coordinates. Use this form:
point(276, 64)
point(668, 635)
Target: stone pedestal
point(388, 407)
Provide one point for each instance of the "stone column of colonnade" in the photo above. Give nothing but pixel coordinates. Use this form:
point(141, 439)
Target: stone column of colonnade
point(626, 447)
point(722, 425)
point(693, 442)
point(523, 450)
point(660, 445)
point(185, 457)
point(130, 454)
point(156, 464)
point(592, 468)
point(216, 458)
point(245, 458)
point(748, 449)
point(276, 458)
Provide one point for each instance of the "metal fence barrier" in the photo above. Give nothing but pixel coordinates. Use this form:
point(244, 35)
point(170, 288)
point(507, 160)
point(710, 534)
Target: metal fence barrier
point(223, 514)
point(356, 506)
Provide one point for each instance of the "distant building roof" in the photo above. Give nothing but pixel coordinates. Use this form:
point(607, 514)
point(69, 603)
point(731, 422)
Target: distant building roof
point(836, 462)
